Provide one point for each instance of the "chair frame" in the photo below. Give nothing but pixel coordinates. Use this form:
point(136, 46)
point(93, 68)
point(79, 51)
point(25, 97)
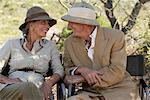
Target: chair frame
point(61, 93)
point(136, 67)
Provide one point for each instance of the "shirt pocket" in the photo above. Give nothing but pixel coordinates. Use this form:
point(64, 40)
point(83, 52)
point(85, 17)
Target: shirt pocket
point(42, 61)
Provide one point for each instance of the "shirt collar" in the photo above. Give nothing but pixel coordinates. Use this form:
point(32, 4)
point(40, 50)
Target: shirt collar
point(93, 35)
point(38, 44)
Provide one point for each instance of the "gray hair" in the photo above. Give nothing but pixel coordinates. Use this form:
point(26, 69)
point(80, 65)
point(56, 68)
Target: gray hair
point(26, 30)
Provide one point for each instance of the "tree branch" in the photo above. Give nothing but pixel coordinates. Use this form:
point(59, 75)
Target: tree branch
point(110, 15)
point(144, 1)
point(94, 3)
point(103, 1)
point(132, 18)
point(134, 15)
point(72, 2)
point(63, 5)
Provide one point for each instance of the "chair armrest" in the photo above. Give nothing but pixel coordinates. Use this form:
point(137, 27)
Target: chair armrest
point(74, 79)
point(52, 97)
point(61, 90)
point(71, 81)
point(144, 85)
point(145, 88)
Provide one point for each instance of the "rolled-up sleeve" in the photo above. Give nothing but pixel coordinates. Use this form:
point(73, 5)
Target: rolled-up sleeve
point(4, 54)
point(56, 62)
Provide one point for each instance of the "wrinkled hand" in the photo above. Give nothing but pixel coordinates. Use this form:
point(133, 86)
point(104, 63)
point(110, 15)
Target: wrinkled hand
point(7, 80)
point(91, 76)
point(74, 79)
point(46, 90)
point(13, 80)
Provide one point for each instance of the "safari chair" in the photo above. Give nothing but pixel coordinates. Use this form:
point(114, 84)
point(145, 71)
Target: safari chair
point(61, 93)
point(60, 88)
point(136, 68)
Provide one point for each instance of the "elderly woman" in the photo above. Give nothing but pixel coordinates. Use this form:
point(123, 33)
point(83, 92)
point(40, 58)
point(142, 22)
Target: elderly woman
point(29, 60)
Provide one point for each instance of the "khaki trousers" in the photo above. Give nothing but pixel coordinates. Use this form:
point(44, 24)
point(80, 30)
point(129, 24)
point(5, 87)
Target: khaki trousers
point(83, 95)
point(21, 91)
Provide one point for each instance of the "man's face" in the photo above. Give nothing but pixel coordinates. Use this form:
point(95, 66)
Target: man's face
point(80, 30)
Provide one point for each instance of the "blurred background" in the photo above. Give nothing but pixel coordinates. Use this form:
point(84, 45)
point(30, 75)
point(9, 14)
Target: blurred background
point(130, 16)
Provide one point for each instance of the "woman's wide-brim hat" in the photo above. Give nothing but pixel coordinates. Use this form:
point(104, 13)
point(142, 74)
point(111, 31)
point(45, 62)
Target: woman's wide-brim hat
point(37, 13)
point(82, 13)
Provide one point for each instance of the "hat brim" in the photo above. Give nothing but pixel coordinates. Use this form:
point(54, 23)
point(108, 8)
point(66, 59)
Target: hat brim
point(51, 21)
point(79, 20)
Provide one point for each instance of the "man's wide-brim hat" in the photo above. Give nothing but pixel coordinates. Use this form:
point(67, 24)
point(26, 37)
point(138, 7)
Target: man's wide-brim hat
point(82, 13)
point(37, 13)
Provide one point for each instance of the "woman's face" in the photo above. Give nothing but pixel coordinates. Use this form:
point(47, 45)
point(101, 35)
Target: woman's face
point(39, 28)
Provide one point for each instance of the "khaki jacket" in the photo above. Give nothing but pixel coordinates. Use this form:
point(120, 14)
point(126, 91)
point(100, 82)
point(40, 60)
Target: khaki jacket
point(109, 57)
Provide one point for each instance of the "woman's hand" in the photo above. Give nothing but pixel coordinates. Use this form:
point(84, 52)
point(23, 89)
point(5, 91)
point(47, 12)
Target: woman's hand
point(46, 90)
point(48, 84)
point(14, 80)
point(7, 80)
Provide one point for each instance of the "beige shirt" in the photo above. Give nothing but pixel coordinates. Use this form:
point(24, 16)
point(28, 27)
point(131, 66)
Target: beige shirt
point(42, 53)
point(91, 49)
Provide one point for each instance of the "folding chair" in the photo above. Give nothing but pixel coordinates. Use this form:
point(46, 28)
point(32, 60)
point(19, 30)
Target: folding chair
point(61, 92)
point(136, 68)
point(61, 89)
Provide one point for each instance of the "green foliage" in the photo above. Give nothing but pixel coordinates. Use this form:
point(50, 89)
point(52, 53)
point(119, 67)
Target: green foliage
point(103, 22)
point(144, 48)
point(13, 13)
point(60, 45)
point(63, 35)
point(66, 32)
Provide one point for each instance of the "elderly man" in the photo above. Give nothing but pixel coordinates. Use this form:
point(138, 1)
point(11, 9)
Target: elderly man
point(97, 55)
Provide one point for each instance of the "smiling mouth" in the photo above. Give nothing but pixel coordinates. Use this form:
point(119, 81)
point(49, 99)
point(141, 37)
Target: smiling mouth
point(45, 30)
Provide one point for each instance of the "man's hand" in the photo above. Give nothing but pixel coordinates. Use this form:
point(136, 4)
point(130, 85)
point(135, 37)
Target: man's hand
point(91, 76)
point(74, 79)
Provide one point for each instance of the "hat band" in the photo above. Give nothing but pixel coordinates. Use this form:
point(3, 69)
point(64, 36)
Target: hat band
point(82, 13)
point(35, 15)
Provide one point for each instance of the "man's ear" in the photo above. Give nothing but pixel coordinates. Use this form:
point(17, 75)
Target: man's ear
point(84, 26)
point(89, 28)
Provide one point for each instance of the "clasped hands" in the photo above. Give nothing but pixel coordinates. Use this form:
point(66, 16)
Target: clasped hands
point(84, 74)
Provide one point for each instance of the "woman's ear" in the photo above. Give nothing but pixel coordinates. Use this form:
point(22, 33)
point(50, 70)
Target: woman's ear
point(31, 26)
